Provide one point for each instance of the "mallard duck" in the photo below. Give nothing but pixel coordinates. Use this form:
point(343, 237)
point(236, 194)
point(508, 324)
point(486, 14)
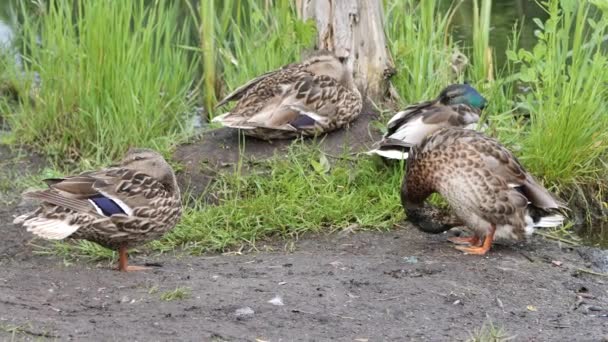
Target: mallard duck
point(118, 207)
point(486, 187)
point(458, 105)
point(305, 99)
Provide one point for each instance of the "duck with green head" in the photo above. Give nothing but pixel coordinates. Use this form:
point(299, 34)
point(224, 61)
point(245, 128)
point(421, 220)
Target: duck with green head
point(458, 105)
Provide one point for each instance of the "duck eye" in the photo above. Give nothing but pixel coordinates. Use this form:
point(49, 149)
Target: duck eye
point(342, 59)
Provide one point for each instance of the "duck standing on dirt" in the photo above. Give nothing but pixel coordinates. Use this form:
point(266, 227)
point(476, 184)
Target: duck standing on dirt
point(458, 105)
point(304, 99)
point(118, 207)
point(485, 185)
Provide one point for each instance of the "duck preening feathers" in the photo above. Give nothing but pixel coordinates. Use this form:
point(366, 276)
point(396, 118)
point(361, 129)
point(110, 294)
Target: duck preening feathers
point(118, 207)
point(458, 105)
point(303, 99)
point(486, 187)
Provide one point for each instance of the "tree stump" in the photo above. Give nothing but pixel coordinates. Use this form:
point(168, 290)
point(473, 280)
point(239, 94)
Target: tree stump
point(354, 29)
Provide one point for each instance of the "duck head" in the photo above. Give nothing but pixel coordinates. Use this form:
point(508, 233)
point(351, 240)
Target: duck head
point(430, 219)
point(326, 63)
point(151, 163)
point(462, 94)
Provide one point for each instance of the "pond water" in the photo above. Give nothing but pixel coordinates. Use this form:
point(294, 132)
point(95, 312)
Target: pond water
point(505, 14)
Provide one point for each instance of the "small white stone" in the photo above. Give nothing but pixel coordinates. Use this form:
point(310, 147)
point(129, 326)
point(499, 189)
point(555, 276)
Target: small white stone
point(244, 311)
point(277, 300)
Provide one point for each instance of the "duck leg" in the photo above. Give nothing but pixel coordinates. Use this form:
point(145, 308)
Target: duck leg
point(484, 248)
point(123, 263)
point(466, 240)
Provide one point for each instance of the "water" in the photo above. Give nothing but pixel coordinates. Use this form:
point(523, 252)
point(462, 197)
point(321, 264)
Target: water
point(596, 235)
point(505, 14)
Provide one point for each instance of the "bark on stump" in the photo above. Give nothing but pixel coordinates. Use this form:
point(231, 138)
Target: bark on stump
point(354, 29)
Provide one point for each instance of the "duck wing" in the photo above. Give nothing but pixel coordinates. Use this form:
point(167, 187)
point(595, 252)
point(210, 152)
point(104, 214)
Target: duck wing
point(239, 92)
point(499, 161)
point(409, 127)
point(104, 193)
point(69, 192)
point(310, 100)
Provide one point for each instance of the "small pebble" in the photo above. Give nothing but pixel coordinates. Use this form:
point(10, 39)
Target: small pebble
point(411, 259)
point(244, 311)
point(277, 300)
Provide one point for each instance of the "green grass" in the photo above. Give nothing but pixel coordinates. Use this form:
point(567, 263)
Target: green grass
point(304, 191)
point(482, 68)
point(567, 72)
point(113, 76)
point(26, 332)
point(180, 293)
point(78, 250)
point(418, 37)
point(490, 333)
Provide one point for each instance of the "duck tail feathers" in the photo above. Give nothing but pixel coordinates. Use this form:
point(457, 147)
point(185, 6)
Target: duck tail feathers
point(392, 149)
point(389, 154)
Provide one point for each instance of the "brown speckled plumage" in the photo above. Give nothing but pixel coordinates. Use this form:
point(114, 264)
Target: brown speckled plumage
point(143, 185)
point(485, 185)
point(304, 99)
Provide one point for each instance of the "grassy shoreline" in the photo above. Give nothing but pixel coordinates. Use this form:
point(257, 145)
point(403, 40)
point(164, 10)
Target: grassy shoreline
point(99, 96)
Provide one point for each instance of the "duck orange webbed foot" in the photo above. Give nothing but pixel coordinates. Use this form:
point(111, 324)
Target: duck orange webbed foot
point(467, 240)
point(484, 248)
point(123, 265)
point(134, 268)
point(473, 250)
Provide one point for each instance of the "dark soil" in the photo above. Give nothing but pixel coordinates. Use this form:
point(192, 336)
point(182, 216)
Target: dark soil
point(363, 286)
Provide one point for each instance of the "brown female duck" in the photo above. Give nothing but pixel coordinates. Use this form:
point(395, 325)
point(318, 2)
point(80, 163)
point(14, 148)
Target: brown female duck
point(118, 207)
point(485, 185)
point(458, 105)
point(304, 99)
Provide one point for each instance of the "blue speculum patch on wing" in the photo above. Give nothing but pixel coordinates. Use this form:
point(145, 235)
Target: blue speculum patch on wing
point(106, 205)
point(303, 121)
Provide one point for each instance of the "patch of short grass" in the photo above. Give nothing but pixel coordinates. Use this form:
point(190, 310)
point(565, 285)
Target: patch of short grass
point(302, 191)
point(77, 250)
point(113, 75)
point(490, 333)
point(26, 332)
point(180, 293)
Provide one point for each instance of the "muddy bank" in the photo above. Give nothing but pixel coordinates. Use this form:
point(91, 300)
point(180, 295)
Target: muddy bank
point(400, 285)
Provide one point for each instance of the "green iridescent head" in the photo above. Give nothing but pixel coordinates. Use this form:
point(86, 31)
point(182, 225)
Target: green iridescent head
point(462, 94)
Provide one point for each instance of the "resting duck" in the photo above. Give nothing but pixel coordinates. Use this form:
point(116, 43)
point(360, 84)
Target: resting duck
point(305, 99)
point(485, 185)
point(118, 207)
point(458, 105)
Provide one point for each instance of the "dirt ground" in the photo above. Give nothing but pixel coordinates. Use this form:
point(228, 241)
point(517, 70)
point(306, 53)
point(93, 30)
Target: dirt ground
point(352, 286)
